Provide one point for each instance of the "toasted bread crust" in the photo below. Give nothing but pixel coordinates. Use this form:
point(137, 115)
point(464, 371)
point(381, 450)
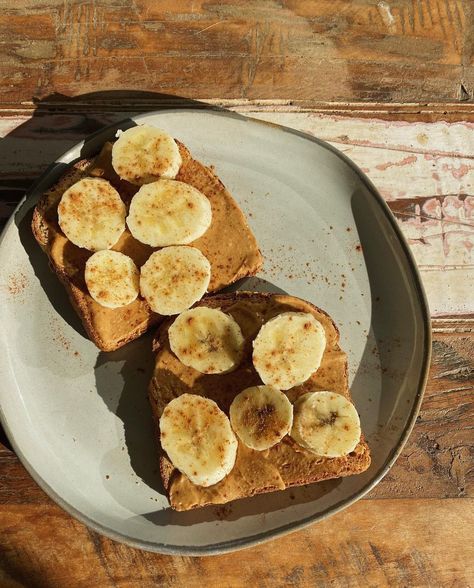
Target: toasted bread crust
point(140, 318)
point(39, 224)
point(294, 465)
point(42, 229)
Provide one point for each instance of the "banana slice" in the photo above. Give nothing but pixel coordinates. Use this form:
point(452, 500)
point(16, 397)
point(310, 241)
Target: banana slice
point(168, 213)
point(174, 278)
point(326, 424)
point(288, 349)
point(261, 416)
point(207, 340)
point(112, 278)
point(144, 154)
point(198, 439)
point(91, 214)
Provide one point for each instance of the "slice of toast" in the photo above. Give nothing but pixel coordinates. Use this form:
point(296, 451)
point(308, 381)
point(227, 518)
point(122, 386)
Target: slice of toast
point(285, 464)
point(229, 244)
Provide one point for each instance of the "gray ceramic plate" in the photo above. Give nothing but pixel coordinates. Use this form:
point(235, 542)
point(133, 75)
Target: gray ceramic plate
point(78, 418)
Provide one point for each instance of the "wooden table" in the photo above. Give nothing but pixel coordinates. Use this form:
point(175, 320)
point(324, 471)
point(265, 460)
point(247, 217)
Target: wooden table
point(391, 84)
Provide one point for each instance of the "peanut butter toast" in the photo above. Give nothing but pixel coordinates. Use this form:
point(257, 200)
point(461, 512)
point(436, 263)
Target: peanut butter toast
point(228, 244)
point(284, 464)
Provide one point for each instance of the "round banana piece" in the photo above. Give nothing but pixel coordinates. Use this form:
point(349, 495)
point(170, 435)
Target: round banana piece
point(143, 154)
point(91, 214)
point(174, 278)
point(207, 340)
point(288, 349)
point(198, 439)
point(261, 416)
point(112, 278)
point(168, 212)
point(326, 424)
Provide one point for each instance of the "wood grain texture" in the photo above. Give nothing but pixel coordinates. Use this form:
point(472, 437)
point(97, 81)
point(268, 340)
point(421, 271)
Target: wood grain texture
point(390, 83)
point(399, 50)
point(438, 460)
point(369, 545)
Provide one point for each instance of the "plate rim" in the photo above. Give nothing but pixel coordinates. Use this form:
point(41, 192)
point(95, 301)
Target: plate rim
point(259, 538)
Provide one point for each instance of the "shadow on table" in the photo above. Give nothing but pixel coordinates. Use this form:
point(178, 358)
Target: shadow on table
point(4, 439)
point(58, 123)
point(17, 572)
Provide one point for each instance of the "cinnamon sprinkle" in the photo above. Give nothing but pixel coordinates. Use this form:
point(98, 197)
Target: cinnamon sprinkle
point(17, 283)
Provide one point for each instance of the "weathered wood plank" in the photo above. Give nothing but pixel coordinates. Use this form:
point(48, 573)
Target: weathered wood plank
point(32, 537)
point(438, 459)
point(326, 50)
point(374, 543)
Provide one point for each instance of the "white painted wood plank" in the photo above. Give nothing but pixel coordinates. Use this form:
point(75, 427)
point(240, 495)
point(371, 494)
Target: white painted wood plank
point(439, 138)
point(425, 171)
point(449, 292)
point(400, 175)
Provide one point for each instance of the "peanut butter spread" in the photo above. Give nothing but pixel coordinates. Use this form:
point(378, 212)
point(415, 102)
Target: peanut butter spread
point(285, 464)
point(228, 244)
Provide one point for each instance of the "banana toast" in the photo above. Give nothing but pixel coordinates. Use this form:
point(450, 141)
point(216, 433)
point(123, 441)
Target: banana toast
point(280, 466)
point(228, 244)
